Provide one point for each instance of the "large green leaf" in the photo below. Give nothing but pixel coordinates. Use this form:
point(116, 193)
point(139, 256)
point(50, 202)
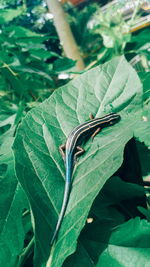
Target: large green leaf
point(12, 204)
point(128, 246)
point(113, 86)
point(63, 64)
point(108, 211)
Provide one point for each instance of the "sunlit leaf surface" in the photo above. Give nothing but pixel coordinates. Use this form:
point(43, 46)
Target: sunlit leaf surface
point(112, 87)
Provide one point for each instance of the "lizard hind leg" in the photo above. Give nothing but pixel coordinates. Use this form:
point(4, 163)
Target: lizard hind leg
point(62, 150)
point(79, 152)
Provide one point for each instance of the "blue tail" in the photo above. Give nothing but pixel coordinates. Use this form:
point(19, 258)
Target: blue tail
point(65, 198)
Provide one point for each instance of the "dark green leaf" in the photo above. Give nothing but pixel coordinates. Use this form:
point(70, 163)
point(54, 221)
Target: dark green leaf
point(63, 64)
point(12, 203)
point(141, 38)
point(41, 54)
point(142, 129)
point(146, 212)
point(108, 211)
point(22, 32)
point(6, 15)
point(144, 155)
point(80, 259)
point(36, 71)
point(128, 245)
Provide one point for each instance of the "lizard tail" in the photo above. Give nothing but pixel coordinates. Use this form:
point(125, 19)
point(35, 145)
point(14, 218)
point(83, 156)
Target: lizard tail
point(63, 209)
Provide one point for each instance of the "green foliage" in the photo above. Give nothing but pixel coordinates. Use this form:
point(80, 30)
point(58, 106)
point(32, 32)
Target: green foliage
point(25, 79)
point(105, 33)
point(142, 132)
point(12, 202)
point(31, 60)
point(113, 29)
point(109, 214)
point(24, 59)
point(6, 15)
point(20, 65)
point(145, 78)
point(128, 245)
point(40, 169)
point(87, 39)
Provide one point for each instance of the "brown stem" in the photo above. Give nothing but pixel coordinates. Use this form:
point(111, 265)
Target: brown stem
point(64, 32)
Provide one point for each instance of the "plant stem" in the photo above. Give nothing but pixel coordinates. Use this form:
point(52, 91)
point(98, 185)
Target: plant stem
point(26, 253)
point(66, 37)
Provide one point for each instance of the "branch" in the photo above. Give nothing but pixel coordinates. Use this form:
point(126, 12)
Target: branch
point(66, 37)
